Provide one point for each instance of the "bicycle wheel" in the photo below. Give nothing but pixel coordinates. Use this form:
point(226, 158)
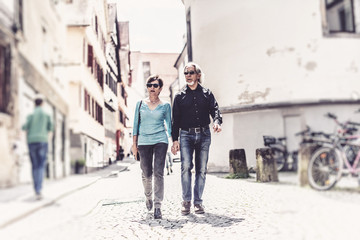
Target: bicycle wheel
point(351, 152)
point(279, 158)
point(325, 168)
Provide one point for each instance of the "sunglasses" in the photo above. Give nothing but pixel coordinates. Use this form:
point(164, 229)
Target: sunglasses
point(191, 73)
point(155, 85)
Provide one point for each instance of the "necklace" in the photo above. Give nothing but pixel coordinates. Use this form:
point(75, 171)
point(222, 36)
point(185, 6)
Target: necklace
point(153, 102)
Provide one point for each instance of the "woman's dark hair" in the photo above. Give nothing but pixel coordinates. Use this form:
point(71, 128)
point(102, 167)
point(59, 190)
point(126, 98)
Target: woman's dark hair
point(38, 102)
point(153, 78)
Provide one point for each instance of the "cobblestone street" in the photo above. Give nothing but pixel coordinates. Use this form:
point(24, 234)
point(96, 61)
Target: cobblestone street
point(114, 208)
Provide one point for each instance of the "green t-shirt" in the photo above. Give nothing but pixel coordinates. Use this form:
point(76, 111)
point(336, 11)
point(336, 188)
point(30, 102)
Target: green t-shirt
point(38, 125)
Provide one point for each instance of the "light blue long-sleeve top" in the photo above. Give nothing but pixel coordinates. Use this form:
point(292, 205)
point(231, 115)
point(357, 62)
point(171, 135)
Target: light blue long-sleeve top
point(152, 123)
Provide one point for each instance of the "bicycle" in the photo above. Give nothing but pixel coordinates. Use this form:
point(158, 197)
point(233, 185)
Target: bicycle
point(326, 166)
point(281, 155)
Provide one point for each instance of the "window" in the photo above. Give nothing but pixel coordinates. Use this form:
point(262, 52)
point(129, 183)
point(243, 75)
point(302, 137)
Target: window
point(4, 78)
point(99, 114)
point(123, 92)
point(111, 83)
point(100, 76)
point(20, 16)
point(90, 57)
point(85, 100)
point(96, 25)
point(92, 108)
point(121, 118)
point(341, 16)
point(107, 79)
point(146, 69)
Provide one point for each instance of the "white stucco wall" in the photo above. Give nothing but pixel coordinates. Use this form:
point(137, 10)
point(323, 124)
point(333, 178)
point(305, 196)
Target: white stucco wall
point(261, 51)
point(258, 52)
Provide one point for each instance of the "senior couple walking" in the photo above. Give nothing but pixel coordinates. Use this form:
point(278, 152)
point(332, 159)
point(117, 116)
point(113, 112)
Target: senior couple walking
point(190, 132)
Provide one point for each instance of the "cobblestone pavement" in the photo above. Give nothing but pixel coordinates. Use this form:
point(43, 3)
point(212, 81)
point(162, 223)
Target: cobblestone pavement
point(235, 209)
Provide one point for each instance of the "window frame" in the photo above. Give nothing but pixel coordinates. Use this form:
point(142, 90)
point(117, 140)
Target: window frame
point(355, 33)
point(5, 77)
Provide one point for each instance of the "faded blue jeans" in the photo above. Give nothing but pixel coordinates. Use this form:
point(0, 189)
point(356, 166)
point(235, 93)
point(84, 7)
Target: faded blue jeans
point(199, 143)
point(38, 155)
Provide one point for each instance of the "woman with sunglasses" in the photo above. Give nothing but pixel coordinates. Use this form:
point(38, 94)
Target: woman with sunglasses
point(151, 122)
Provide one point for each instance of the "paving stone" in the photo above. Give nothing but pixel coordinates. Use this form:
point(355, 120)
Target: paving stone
point(235, 209)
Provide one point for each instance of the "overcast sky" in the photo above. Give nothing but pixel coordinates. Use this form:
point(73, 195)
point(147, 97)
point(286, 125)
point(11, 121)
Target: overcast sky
point(155, 25)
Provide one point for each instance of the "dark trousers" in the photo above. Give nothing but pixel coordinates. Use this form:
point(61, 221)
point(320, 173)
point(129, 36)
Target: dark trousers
point(152, 162)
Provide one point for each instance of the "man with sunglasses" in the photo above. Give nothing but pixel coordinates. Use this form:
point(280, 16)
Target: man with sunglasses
point(192, 109)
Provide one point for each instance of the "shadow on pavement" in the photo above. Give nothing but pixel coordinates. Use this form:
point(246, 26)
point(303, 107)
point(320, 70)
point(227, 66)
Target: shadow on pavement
point(208, 218)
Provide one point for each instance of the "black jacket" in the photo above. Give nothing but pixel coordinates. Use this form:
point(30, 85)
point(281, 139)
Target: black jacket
point(193, 108)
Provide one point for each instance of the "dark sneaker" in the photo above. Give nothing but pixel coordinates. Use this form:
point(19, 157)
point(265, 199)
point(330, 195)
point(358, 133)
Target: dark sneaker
point(185, 209)
point(149, 204)
point(157, 213)
point(199, 209)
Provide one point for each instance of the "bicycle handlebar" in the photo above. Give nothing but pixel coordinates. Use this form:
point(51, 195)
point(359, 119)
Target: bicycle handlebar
point(330, 115)
point(313, 134)
point(302, 133)
point(353, 123)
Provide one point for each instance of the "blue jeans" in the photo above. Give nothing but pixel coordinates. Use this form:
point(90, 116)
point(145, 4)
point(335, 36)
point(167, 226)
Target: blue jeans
point(38, 155)
point(200, 143)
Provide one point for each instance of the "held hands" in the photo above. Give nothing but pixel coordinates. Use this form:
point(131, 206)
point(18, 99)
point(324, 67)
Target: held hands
point(217, 128)
point(175, 147)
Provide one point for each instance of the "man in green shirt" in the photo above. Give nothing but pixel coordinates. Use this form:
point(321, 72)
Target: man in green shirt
point(37, 126)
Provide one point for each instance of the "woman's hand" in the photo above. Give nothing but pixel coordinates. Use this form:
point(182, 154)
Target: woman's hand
point(175, 147)
point(135, 151)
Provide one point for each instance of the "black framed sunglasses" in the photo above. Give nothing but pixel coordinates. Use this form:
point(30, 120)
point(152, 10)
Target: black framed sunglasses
point(191, 73)
point(155, 85)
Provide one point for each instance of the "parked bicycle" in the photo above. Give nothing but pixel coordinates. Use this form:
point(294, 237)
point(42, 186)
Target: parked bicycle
point(285, 160)
point(339, 156)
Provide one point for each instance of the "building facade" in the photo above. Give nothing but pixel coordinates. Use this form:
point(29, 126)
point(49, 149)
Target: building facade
point(146, 64)
point(33, 49)
point(111, 86)
point(272, 73)
point(8, 95)
point(87, 35)
point(69, 51)
point(123, 133)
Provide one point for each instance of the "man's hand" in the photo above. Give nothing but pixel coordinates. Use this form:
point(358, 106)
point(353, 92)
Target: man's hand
point(217, 128)
point(175, 147)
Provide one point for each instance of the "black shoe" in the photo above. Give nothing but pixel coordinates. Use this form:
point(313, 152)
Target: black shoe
point(185, 209)
point(149, 204)
point(171, 170)
point(199, 209)
point(157, 213)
